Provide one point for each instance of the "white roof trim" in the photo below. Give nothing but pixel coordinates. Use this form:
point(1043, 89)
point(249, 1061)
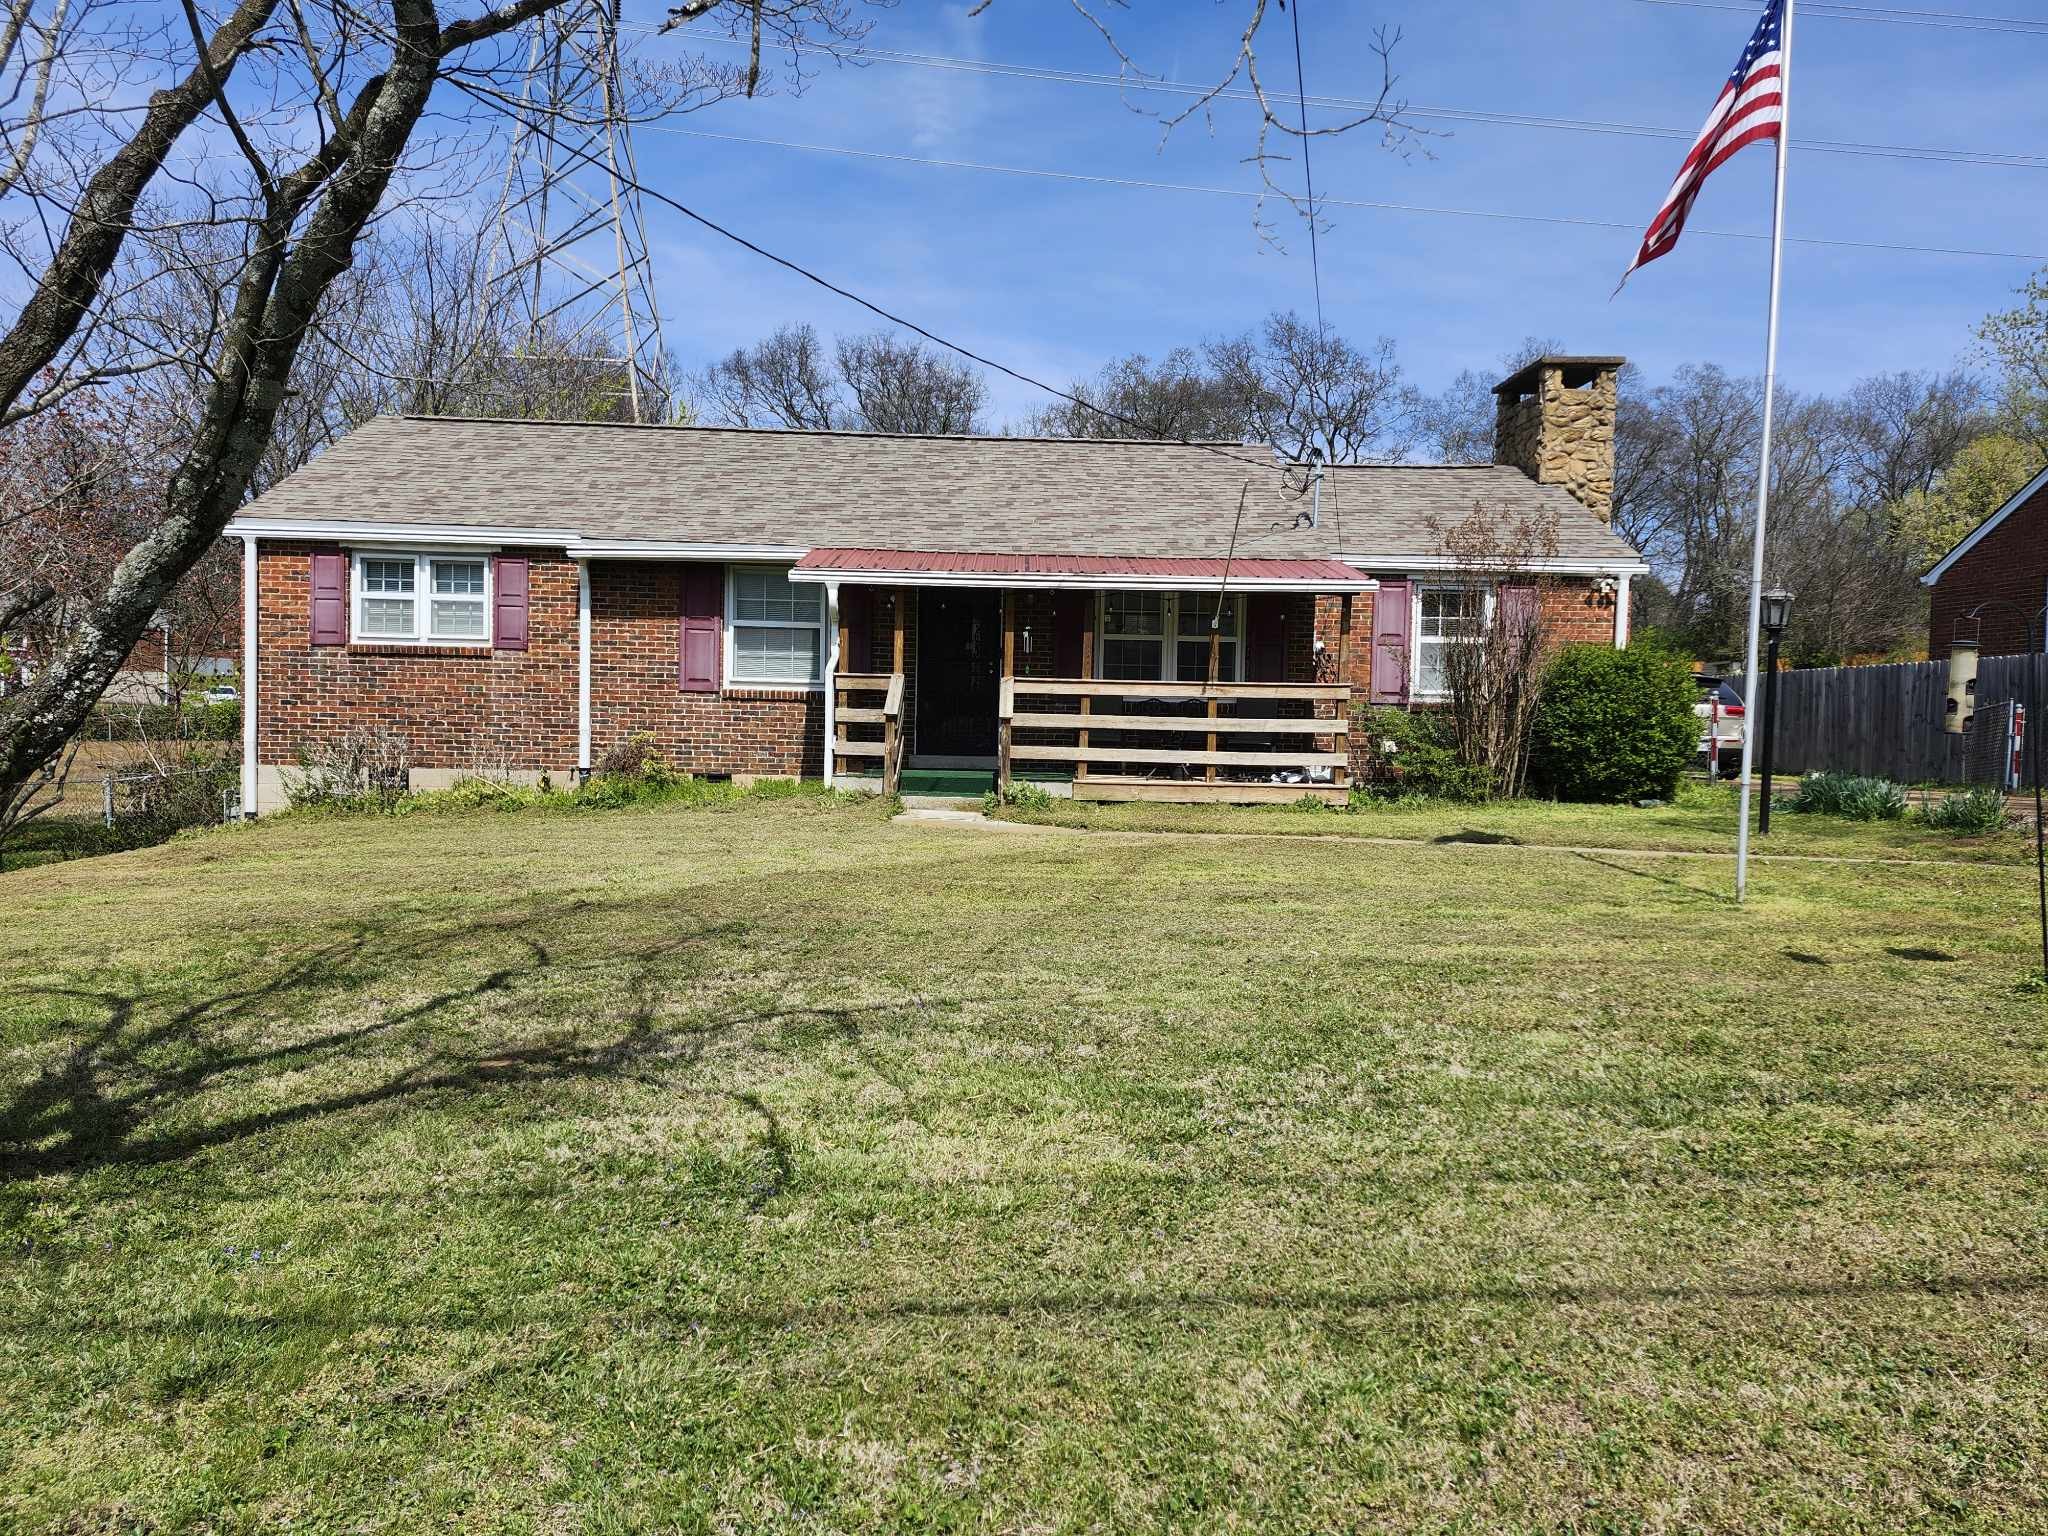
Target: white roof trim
point(654, 549)
point(1971, 539)
point(1075, 582)
point(414, 534)
point(1537, 567)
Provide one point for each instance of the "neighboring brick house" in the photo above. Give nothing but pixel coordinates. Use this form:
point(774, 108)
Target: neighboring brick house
point(518, 597)
point(2001, 568)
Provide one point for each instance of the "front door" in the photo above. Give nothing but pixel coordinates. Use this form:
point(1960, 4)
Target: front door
point(959, 672)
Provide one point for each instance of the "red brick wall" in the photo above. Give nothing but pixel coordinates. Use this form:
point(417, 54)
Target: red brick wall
point(487, 710)
point(2008, 569)
point(458, 707)
point(465, 709)
point(1574, 612)
point(635, 630)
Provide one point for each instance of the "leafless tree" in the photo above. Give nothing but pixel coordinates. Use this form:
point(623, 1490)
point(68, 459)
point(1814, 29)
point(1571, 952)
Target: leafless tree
point(1493, 621)
point(1175, 399)
point(783, 381)
point(1903, 430)
point(1279, 121)
point(874, 382)
point(904, 386)
point(1303, 386)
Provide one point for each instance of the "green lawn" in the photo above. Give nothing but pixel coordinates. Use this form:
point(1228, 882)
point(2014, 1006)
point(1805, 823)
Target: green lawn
point(1701, 820)
point(779, 1167)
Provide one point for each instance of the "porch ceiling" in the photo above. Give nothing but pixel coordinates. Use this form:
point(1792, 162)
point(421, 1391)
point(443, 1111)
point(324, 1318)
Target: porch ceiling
point(941, 568)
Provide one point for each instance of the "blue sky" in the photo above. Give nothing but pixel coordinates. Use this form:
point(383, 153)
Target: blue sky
point(1055, 277)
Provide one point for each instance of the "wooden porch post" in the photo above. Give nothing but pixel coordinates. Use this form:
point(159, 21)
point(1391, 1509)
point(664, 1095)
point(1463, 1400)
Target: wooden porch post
point(1339, 776)
point(1087, 673)
point(1009, 678)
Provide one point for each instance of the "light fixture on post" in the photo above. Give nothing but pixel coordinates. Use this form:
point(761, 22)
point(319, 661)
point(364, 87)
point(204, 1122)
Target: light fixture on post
point(1775, 612)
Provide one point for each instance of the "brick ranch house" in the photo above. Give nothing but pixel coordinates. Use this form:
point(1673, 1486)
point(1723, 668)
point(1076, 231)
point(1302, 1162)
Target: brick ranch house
point(2002, 565)
point(516, 598)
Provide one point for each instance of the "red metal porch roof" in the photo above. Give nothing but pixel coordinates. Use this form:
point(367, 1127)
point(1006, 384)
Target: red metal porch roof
point(1097, 570)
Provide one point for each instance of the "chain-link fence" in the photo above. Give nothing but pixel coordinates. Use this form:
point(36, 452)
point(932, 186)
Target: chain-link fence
point(149, 804)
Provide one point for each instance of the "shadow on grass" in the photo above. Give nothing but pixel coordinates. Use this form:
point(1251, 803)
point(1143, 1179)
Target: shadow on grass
point(102, 1105)
point(1026, 1306)
point(1475, 835)
point(1662, 877)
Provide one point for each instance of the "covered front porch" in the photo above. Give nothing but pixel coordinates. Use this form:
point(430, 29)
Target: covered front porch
point(1124, 679)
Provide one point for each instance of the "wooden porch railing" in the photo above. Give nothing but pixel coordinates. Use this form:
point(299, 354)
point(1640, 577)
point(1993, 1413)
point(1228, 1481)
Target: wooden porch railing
point(1242, 758)
point(888, 715)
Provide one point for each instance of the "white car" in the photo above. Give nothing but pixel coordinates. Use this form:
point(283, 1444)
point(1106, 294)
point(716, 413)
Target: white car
point(1723, 719)
point(223, 693)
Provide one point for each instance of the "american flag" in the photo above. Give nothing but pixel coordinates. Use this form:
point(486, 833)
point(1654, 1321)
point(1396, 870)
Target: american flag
point(1750, 110)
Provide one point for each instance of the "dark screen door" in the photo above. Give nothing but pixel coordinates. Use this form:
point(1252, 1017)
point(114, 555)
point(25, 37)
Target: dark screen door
point(959, 671)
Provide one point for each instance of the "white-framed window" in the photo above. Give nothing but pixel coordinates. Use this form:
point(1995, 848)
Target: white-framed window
point(1445, 616)
point(414, 598)
point(1164, 636)
point(775, 628)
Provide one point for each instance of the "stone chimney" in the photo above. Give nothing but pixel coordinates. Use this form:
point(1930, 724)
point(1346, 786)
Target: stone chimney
point(1554, 421)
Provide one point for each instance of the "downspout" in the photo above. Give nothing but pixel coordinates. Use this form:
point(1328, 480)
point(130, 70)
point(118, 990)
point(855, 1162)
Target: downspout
point(1621, 611)
point(831, 673)
point(248, 677)
point(583, 669)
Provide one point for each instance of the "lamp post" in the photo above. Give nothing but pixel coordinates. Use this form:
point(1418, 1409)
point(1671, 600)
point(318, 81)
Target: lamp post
point(1774, 611)
point(2031, 744)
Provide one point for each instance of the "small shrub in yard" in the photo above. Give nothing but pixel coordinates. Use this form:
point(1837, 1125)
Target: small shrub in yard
point(634, 755)
point(1403, 753)
point(1614, 725)
point(1980, 808)
point(367, 768)
point(1023, 795)
point(1849, 796)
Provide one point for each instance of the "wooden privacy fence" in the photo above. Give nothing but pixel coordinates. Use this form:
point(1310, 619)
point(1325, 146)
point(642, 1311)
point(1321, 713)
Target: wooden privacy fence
point(1129, 740)
point(1886, 721)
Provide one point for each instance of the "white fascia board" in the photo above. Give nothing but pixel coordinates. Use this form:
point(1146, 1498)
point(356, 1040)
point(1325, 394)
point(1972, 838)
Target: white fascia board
point(1976, 535)
point(579, 548)
point(1538, 567)
point(1109, 581)
point(412, 535)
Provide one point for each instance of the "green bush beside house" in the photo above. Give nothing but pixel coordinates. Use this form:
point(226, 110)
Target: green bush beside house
point(1614, 724)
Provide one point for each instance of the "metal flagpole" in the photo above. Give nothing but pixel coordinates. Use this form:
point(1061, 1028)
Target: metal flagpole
point(1763, 481)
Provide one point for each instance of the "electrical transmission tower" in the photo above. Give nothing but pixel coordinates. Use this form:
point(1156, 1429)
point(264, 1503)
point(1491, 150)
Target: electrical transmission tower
point(571, 269)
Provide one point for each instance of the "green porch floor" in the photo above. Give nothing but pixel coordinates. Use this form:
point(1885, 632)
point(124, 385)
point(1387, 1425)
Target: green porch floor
point(960, 783)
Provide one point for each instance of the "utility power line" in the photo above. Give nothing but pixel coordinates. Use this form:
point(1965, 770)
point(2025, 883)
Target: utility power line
point(1351, 106)
point(1324, 200)
point(1948, 21)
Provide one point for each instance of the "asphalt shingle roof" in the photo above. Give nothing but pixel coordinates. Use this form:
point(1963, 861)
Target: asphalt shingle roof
point(718, 485)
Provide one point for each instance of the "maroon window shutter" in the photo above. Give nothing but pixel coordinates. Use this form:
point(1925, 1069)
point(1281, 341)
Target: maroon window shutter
point(1069, 631)
point(857, 613)
point(1391, 622)
point(703, 627)
point(328, 612)
point(1265, 624)
point(1517, 610)
point(508, 605)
